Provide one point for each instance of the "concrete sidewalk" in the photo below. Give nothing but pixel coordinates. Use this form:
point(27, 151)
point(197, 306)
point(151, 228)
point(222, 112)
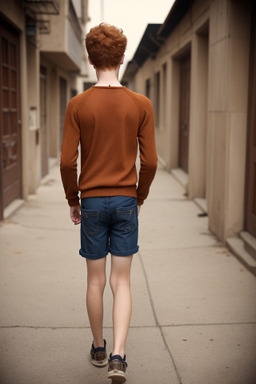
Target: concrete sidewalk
point(194, 304)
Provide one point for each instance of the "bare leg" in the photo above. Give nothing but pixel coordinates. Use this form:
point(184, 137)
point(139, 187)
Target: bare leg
point(122, 308)
point(96, 281)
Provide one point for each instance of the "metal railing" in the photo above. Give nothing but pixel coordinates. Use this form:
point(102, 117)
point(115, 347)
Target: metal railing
point(43, 7)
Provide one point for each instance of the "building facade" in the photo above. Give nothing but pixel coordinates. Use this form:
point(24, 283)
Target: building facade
point(199, 70)
point(42, 50)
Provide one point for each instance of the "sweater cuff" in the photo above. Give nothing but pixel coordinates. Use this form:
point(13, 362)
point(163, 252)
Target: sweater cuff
point(140, 201)
point(73, 202)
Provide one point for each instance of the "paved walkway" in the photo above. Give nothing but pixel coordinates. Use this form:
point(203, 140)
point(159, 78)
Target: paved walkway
point(194, 304)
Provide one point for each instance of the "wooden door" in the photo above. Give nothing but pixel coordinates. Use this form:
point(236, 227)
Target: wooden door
point(10, 134)
point(63, 105)
point(43, 122)
point(184, 113)
point(250, 202)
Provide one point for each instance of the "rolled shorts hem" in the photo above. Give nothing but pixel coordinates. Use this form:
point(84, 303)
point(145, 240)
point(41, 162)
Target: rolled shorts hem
point(124, 253)
point(93, 256)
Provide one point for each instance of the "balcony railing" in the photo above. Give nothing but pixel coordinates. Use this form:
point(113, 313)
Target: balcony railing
point(43, 7)
point(74, 21)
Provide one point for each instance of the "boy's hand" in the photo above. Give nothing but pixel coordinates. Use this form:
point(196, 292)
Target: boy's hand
point(139, 209)
point(75, 214)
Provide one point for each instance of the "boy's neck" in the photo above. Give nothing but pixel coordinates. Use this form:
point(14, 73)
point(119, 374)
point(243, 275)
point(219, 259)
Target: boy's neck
point(108, 77)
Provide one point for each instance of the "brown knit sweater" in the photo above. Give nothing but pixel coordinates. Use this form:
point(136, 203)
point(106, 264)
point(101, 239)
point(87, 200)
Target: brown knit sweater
point(109, 122)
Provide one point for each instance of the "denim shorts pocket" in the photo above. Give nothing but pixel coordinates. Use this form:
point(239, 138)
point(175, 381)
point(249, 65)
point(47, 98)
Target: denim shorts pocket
point(91, 221)
point(126, 218)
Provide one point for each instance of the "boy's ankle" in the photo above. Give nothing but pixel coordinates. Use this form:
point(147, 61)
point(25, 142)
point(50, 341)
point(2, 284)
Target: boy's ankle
point(118, 353)
point(101, 344)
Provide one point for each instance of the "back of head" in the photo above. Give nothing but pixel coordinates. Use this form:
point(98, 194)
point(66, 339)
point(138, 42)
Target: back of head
point(105, 45)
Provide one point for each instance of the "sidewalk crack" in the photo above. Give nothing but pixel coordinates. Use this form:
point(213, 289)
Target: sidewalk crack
point(157, 322)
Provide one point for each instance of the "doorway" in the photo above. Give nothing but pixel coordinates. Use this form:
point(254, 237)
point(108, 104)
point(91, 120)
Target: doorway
point(10, 134)
point(43, 121)
point(63, 105)
point(250, 202)
point(185, 68)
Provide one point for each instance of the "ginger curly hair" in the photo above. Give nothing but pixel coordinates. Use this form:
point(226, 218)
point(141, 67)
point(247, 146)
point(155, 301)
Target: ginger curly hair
point(105, 45)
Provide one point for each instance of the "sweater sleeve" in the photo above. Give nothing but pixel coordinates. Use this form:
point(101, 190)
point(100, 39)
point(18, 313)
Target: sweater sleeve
point(148, 154)
point(69, 155)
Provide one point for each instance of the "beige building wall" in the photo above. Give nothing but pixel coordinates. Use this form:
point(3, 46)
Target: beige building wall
point(54, 74)
point(15, 15)
point(230, 28)
point(216, 35)
point(65, 48)
point(60, 53)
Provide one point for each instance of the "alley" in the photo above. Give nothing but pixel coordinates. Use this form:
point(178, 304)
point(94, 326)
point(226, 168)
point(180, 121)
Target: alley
point(194, 314)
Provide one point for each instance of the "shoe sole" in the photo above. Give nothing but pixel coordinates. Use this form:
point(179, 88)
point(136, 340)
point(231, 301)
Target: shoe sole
point(102, 363)
point(118, 377)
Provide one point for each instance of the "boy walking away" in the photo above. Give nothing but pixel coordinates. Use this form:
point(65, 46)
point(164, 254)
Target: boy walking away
point(109, 121)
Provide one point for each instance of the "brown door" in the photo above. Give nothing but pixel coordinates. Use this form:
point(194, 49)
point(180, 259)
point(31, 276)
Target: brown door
point(43, 122)
point(184, 112)
point(250, 211)
point(63, 105)
point(10, 134)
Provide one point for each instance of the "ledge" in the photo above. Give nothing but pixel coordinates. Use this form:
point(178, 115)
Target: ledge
point(12, 208)
point(181, 177)
point(237, 246)
point(249, 243)
point(202, 204)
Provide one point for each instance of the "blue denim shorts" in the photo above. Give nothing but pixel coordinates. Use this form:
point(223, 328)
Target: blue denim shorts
point(109, 224)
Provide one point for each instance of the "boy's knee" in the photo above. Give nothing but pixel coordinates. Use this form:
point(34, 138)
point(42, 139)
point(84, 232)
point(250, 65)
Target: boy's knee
point(115, 281)
point(97, 283)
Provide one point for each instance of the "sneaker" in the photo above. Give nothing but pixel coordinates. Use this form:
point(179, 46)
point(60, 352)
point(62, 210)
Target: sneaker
point(116, 369)
point(99, 356)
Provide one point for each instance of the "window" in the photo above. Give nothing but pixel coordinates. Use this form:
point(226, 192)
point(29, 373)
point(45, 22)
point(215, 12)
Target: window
point(88, 85)
point(148, 90)
point(157, 99)
point(164, 81)
point(73, 92)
